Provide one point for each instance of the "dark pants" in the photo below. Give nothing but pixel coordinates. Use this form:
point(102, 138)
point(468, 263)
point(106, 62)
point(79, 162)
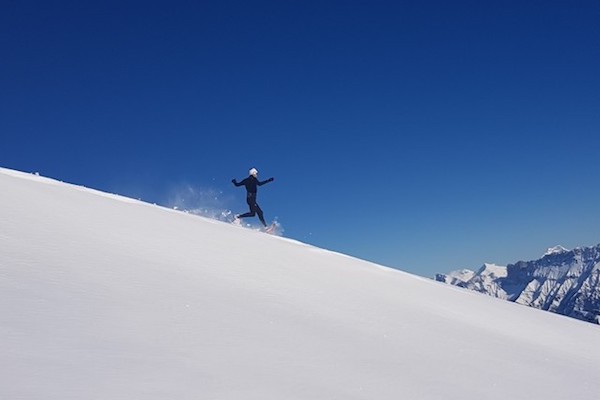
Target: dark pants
point(254, 209)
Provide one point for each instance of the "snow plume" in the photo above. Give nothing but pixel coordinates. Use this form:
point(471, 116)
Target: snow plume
point(206, 202)
point(277, 229)
point(214, 204)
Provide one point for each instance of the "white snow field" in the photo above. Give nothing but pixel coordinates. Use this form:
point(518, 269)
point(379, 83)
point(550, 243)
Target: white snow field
point(104, 297)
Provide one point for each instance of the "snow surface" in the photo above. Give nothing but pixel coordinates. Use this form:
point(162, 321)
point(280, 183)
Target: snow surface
point(104, 297)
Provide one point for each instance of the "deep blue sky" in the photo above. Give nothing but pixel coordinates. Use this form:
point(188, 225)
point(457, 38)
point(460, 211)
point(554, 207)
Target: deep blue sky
point(424, 135)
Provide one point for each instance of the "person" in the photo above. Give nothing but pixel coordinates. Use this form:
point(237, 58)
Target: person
point(251, 183)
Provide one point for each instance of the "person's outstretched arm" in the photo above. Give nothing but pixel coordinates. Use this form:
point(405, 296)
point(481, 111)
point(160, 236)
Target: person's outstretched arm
point(267, 181)
point(236, 183)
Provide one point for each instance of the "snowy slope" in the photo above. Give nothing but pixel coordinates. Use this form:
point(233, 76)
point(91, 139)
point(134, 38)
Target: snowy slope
point(102, 297)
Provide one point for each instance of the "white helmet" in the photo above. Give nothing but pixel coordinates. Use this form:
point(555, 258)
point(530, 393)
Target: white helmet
point(253, 171)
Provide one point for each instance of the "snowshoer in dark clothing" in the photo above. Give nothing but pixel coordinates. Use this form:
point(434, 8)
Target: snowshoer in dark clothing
point(251, 184)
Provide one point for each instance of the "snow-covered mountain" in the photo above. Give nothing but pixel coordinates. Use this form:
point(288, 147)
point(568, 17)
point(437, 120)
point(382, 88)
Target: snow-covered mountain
point(555, 250)
point(104, 297)
point(562, 281)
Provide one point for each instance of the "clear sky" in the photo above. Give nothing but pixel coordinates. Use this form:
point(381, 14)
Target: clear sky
point(424, 135)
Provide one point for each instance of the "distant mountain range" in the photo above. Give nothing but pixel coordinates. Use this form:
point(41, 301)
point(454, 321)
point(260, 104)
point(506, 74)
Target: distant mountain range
point(562, 281)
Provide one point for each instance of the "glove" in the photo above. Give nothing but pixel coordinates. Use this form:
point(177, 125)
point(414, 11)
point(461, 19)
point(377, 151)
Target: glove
point(233, 181)
point(270, 179)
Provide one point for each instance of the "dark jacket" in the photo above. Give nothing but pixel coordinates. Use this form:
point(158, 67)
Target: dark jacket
point(251, 183)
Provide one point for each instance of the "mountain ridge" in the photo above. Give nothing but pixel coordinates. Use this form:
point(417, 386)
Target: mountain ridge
point(563, 281)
